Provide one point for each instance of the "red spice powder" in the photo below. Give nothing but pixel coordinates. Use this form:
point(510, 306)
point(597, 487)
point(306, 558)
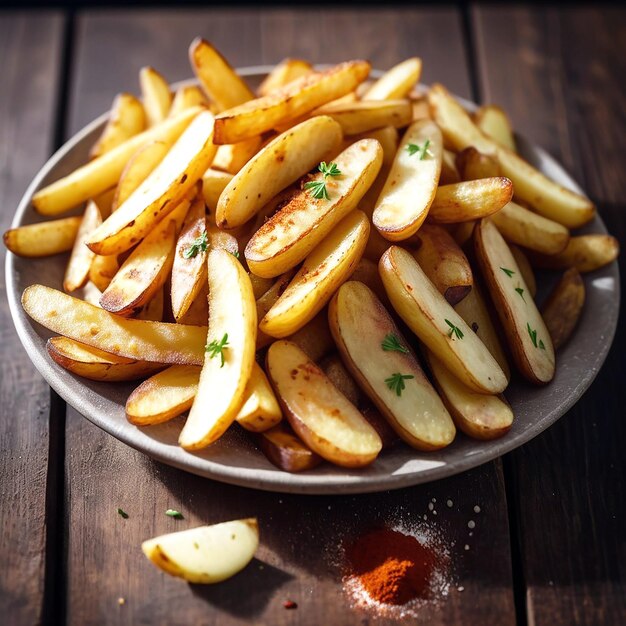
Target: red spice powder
point(393, 568)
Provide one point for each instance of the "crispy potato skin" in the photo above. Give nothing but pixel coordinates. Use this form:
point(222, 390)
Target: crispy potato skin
point(563, 308)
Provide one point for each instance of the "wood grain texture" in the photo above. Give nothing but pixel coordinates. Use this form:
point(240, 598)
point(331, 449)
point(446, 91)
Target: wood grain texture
point(560, 74)
point(30, 51)
point(299, 534)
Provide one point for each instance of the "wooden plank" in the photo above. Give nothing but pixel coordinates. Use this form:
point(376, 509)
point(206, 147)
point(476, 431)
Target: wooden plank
point(300, 535)
point(559, 74)
point(30, 49)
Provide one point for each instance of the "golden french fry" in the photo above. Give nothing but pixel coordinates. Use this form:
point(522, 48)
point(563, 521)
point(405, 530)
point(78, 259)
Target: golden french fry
point(218, 79)
point(260, 410)
point(303, 223)
point(186, 97)
point(286, 451)
point(525, 228)
point(366, 115)
point(387, 369)
point(161, 191)
point(189, 266)
point(295, 99)
point(470, 200)
point(163, 396)
point(213, 184)
point(563, 307)
point(444, 263)
point(140, 165)
point(478, 415)
point(410, 187)
point(524, 327)
point(327, 267)
point(586, 253)
point(94, 364)
point(157, 97)
point(549, 198)
point(104, 172)
point(127, 118)
point(494, 122)
point(280, 163)
point(525, 268)
point(396, 82)
point(229, 354)
point(319, 413)
point(437, 324)
point(156, 342)
point(77, 270)
point(232, 157)
point(44, 238)
point(283, 73)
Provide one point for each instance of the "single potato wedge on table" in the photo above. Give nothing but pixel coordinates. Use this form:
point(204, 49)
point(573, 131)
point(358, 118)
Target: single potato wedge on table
point(207, 554)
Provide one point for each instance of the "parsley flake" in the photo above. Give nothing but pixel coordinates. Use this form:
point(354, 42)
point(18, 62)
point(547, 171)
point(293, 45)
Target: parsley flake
point(421, 151)
point(199, 244)
point(396, 382)
point(329, 169)
point(521, 293)
point(122, 513)
point(217, 347)
point(318, 189)
point(454, 330)
point(391, 343)
point(173, 513)
point(509, 273)
point(533, 335)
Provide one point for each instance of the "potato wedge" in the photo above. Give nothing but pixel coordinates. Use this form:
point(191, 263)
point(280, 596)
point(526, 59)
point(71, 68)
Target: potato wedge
point(494, 122)
point(366, 272)
point(290, 102)
point(198, 312)
point(213, 184)
point(390, 376)
point(478, 415)
point(364, 116)
point(525, 268)
point(146, 269)
point(449, 172)
point(280, 163)
point(314, 338)
point(437, 324)
point(267, 301)
point(186, 97)
point(95, 364)
point(462, 232)
point(329, 265)
point(154, 309)
point(229, 356)
point(586, 253)
point(321, 415)
point(207, 554)
point(161, 191)
point(444, 263)
point(126, 119)
point(561, 311)
point(232, 157)
point(163, 396)
point(260, 285)
point(90, 293)
point(286, 451)
point(410, 187)
point(303, 223)
point(189, 265)
point(473, 165)
point(218, 79)
point(525, 228)
point(526, 332)
point(260, 410)
point(470, 200)
point(77, 270)
point(157, 97)
point(103, 269)
point(473, 309)
point(548, 198)
point(139, 167)
point(104, 172)
point(283, 73)
point(396, 82)
point(156, 342)
point(44, 238)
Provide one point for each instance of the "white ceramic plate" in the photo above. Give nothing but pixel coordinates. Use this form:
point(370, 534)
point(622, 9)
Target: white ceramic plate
point(234, 459)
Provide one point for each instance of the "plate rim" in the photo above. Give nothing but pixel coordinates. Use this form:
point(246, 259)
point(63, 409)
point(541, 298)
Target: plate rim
point(280, 481)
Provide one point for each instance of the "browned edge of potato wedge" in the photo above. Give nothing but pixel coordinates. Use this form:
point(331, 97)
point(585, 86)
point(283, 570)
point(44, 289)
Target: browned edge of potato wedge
point(286, 451)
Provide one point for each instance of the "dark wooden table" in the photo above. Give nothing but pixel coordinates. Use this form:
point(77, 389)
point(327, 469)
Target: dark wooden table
point(549, 546)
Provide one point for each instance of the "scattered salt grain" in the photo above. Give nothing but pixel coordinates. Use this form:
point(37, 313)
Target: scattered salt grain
point(476, 509)
point(471, 524)
point(461, 588)
point(431, 506)
point(466, 547)
point(449, 504)
point(121, 601)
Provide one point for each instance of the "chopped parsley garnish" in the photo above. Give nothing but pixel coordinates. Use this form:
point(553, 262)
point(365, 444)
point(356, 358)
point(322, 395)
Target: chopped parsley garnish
point(396, 382)
point(329, 169)
point(217, 347)
point(509, 273)
point(122, 513)
point(533, 337)
point(421, 151)
point(521, 293)
point(173, 513)
point(454, 330)
point(199, 244)
point(391, 343)
point(318, 187)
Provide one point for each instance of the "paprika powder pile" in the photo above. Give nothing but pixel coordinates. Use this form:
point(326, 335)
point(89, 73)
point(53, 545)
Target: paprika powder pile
point(391, 567)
